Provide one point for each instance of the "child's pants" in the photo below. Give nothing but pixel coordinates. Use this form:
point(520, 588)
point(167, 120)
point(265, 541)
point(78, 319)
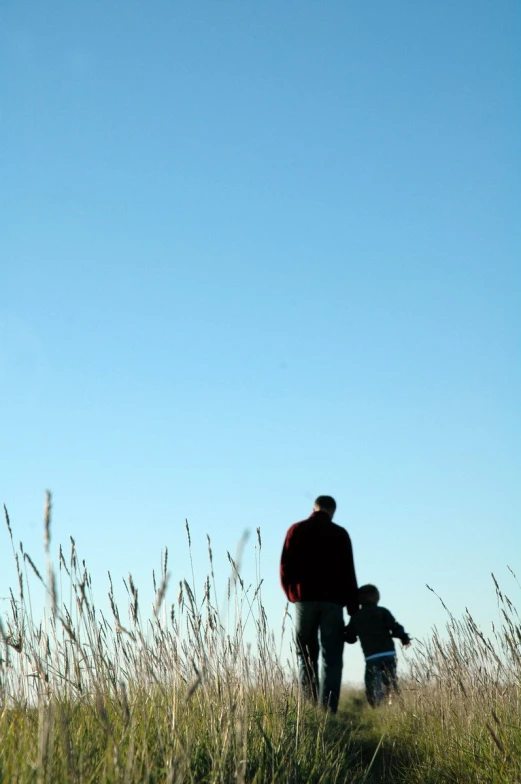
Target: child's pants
point(380, 679)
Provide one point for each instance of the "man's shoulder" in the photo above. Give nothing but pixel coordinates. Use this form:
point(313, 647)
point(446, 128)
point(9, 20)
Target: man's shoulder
point(309, 526)
point(340, 530)
point(307, 522)
point(339, 534)
point(291, 530)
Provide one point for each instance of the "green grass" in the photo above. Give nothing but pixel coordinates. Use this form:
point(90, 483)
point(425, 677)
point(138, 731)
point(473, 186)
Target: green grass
point(458, 716)
point(183, 698)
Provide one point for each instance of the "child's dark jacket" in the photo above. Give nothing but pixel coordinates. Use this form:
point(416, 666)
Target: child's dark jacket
point(375, 627)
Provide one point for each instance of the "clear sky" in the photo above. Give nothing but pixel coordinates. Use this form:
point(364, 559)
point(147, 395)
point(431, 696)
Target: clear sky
point(251, 252)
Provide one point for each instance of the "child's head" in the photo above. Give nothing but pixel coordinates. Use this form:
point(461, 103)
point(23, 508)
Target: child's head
point(368, 594)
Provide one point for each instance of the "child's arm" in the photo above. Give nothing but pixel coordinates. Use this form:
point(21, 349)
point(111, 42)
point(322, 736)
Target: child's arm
point(397, 630)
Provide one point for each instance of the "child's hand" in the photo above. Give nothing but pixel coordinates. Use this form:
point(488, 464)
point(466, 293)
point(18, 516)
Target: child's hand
point(349, 635)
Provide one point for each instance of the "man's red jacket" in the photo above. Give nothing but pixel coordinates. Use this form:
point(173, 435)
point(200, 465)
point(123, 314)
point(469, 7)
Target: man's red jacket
point(317, 563)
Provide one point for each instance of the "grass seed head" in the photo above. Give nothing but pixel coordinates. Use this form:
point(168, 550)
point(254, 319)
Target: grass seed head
point(47, 521)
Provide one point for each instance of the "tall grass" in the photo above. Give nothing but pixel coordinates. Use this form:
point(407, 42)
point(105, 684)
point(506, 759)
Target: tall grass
point(181, 694)
point(178, 697)
point(459, 715)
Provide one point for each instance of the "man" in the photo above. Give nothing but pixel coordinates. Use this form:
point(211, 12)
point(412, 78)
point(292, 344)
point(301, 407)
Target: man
point(318, 575)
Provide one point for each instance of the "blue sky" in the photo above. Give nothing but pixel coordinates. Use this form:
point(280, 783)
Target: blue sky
point(253, 252)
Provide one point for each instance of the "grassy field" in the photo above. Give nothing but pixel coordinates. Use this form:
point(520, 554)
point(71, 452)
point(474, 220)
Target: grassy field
point(183, 697)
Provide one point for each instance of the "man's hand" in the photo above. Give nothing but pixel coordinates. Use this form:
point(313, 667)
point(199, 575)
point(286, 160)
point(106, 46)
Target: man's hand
point(349, 635)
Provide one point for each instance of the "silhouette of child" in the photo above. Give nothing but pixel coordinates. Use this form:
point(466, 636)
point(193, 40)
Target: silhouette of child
point(375, 627)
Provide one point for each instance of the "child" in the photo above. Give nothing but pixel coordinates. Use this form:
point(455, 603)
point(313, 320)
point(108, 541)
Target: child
point(375, 627)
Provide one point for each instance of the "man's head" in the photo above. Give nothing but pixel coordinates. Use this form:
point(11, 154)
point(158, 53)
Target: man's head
point(368, 594)
point(325, 503)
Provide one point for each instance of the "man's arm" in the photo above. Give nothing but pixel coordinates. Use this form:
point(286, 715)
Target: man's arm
point(287, 565)
point(351, 584)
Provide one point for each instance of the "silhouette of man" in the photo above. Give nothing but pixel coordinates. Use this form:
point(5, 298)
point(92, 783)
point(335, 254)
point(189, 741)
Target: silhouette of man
point(318, 575)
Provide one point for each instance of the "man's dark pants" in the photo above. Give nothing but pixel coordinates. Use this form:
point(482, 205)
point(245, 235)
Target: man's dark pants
point(327, 620)
point(380, 679)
